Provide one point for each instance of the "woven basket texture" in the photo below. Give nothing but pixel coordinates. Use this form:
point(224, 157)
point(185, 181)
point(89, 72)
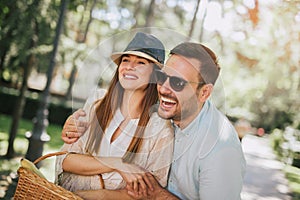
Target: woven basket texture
point(32, 187)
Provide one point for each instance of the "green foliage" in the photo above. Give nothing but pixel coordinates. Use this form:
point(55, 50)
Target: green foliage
point(259, 59)
point(293, 176)
point(286, 145)
point(283, 143)
point(26, 26)
point(262, 74)
point(277, 140)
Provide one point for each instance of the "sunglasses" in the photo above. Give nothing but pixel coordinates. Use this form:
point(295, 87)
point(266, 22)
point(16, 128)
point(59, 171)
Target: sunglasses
point(176, 83)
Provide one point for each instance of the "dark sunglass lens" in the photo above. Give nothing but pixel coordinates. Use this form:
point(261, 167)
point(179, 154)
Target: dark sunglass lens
point(160, 77)
point(177, 83)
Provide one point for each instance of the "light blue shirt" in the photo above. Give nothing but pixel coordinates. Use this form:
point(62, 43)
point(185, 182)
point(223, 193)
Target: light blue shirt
point(208, 162)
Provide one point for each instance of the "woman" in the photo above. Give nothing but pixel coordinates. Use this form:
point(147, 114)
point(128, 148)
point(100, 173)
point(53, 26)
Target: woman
point(125, 134)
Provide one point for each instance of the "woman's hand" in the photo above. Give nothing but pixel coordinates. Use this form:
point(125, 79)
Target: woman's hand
point(74, 128)
point(134, 176)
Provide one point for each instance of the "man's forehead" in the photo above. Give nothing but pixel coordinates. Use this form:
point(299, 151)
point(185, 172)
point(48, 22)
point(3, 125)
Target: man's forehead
point(179, 64)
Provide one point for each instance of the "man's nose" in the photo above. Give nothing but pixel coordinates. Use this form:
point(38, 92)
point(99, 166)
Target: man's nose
point(165, 88)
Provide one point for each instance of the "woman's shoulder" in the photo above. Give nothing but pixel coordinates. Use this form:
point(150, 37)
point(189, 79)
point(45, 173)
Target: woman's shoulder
point(154, 117)
point(93, 97)
point(156, 123)
point(158, 131)
point(98, 93)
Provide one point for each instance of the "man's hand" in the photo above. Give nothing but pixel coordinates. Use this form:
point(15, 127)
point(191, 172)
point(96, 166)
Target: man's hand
point(136, 179)
point(150, 193)
point(73, 128)
point(157, 192)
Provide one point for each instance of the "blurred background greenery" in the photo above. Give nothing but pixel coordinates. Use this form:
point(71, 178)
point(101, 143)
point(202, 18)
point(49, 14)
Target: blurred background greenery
point(257, 42)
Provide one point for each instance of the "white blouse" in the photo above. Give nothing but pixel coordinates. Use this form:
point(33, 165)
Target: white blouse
point(155, 153)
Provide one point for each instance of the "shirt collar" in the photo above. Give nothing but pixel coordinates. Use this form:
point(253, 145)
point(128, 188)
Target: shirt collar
point(119, 117)
point(194, 125)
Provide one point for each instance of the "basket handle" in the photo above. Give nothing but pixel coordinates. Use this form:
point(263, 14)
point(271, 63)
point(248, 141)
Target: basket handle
point(49, 155)
point(62, 153)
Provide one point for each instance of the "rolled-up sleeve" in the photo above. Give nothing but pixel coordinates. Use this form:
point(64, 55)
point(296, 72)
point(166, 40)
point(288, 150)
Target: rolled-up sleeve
point(79, 146)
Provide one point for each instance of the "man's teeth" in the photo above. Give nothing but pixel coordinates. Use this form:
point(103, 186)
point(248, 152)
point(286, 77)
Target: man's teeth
point(167, 100)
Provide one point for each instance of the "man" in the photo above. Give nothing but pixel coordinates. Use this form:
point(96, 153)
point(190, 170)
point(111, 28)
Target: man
point(208, 162)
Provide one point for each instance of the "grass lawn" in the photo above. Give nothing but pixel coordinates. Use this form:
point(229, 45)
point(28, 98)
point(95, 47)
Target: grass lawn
point(9, 167)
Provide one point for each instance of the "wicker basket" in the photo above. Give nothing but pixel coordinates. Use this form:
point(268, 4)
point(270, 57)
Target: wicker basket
point(32, 186)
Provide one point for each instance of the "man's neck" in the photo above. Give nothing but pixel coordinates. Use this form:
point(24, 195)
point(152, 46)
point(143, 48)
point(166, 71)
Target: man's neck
point(185, 121)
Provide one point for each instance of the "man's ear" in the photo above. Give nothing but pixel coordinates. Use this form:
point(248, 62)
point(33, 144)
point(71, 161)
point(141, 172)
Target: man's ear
point(205, 92)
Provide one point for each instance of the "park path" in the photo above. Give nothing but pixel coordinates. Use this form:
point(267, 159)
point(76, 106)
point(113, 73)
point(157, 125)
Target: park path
point(264, 179)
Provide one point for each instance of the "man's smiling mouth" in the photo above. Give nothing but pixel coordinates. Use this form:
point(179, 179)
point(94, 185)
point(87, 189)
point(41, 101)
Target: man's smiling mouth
point(167, 102)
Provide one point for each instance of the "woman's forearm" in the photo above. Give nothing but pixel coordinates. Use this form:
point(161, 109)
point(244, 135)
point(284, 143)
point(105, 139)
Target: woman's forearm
point(88, 165)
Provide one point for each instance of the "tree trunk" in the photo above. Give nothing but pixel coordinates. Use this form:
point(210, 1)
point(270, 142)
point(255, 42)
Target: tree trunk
point(21, 100)
point(136, 12)
point(89, 22)
point(150, 14)
point(194, 19)
point(38, 136)
point(80, 40)
point(19, 108)
point(3, 55)
point(71, 80)
point(5, 46)
point(201, 25)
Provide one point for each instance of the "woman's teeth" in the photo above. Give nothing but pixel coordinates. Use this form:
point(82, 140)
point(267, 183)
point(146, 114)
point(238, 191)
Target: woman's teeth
point(128, 76)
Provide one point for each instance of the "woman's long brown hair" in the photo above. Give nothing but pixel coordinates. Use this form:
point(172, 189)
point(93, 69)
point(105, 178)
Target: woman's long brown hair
point(106, 108)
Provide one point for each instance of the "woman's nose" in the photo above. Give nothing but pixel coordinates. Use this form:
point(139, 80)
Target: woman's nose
point(130, 66)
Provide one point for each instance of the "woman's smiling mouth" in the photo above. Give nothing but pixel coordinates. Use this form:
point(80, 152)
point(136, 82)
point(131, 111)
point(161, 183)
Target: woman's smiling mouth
point(130, 76)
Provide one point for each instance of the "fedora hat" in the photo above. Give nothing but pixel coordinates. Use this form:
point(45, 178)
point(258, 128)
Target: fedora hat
point(143, 45)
